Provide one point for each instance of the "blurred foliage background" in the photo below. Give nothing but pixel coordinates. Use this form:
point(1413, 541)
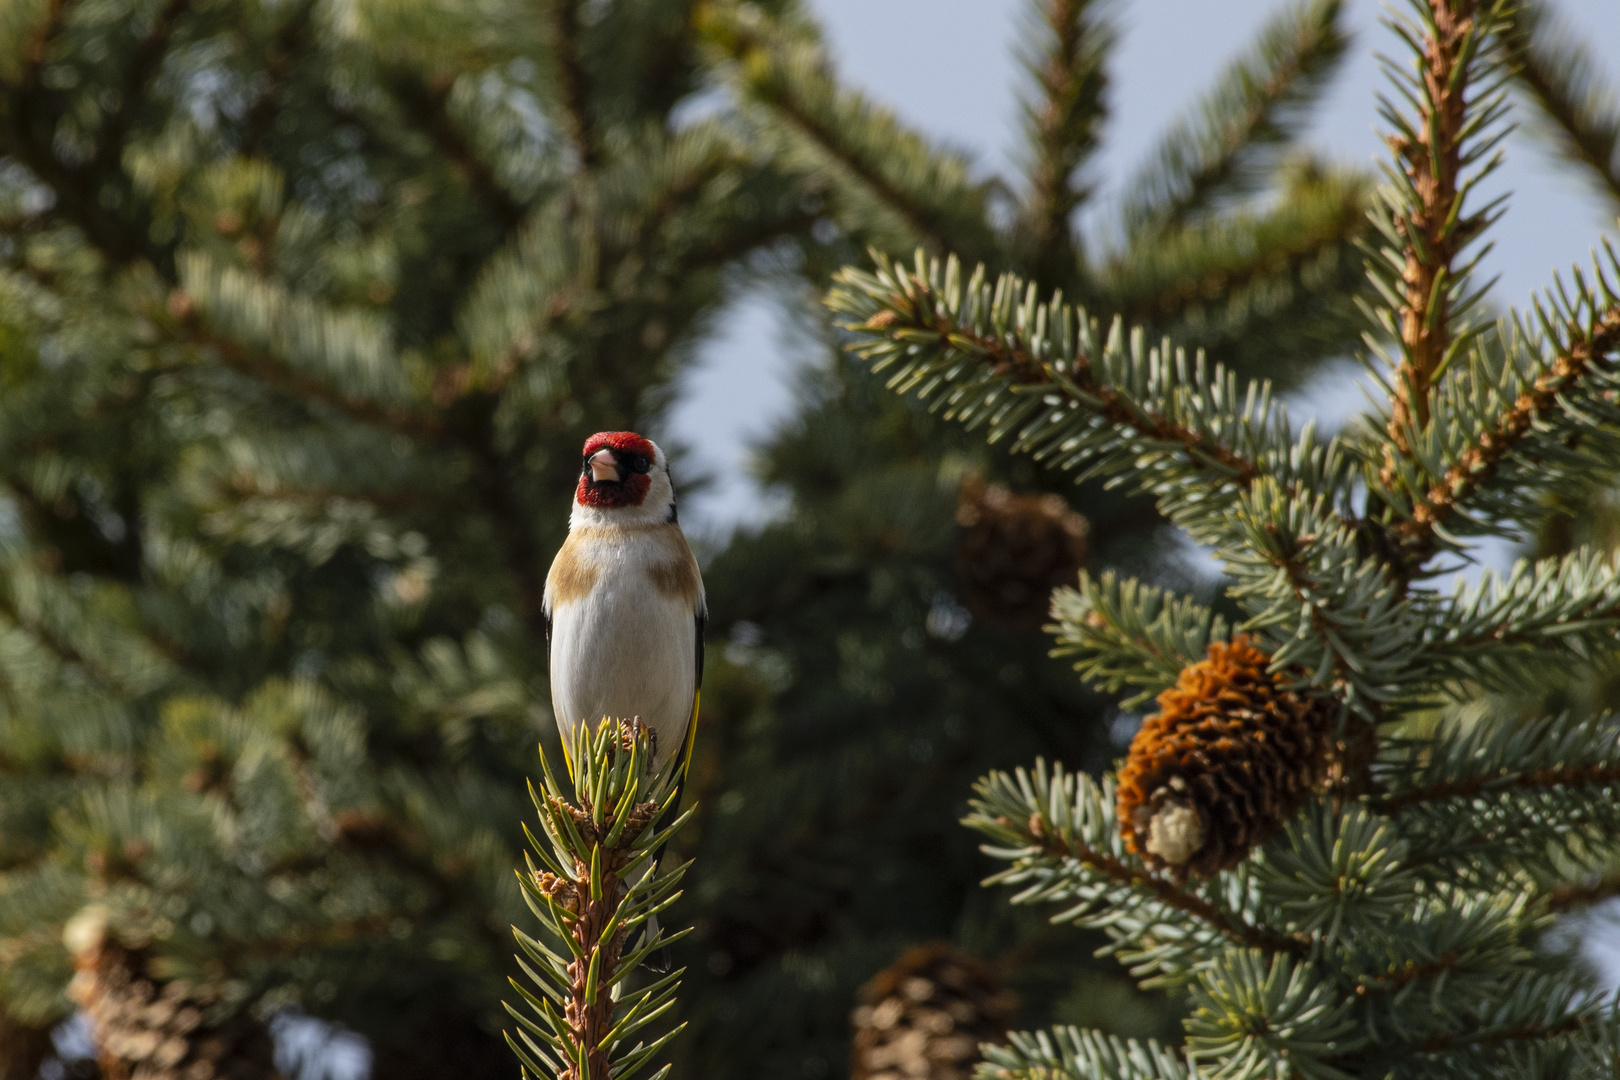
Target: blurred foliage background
point(306, 307)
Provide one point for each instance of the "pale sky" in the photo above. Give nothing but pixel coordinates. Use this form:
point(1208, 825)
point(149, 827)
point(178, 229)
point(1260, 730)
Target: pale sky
point(947, 67)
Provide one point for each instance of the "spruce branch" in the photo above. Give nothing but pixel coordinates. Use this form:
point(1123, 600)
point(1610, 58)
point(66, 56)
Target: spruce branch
point(77, 190)
point(995, 356)
point(1463, 761)
point(551, 273)
point(1561, 779)
point(1071, 1053)
point(1502, 631)
point(62, 621)
point(267, 369)
point(1558, 72)
point(1584, 894)
point(1058, 832)
point(1257, 108)
point(1426, 227)
point(1260, 1014)
point(887, 181)
point(1504, 795)
point(288, 44)
point(1334, 609)
point(143, 65)
point(1063, 123)
point(316, 355)
point(594, 882)
point(427, 101)
point(568, 74)
point(342, 358)
point(1125, 634)
point(1226, 264)
point(1531, 418)
point(1535, 1010)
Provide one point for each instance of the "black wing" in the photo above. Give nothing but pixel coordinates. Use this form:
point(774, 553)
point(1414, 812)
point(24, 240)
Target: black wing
point(702, 621)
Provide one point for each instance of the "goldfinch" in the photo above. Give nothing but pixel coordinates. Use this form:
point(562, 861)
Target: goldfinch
point(624, 601)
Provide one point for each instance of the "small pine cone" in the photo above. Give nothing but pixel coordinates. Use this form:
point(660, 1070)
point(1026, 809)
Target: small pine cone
point(1227, 760)
point(149, 1029)
point(924, 1017)
point(1014, 550)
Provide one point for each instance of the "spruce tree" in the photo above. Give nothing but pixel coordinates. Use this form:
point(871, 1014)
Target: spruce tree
point(863, 673)
point(307, 310)
point(1350, 826)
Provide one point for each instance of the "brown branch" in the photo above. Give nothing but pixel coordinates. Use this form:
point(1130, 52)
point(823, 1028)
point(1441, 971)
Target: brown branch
point(143, 66)
point(23, 1048)
point(1571, 896)
point(1432, 234)
point(272, 372)
point(428, 104)
point(927, 227)
point(472, 435)
point(66, 652)
point(1017, 365)
point(39, 42)
point(573, 84)
point(1407, 974)
point(1165, 891)
point(1480, 462)
point(1475, 1039)
point(1480, 785)
point(24, 108)
point(289, 43)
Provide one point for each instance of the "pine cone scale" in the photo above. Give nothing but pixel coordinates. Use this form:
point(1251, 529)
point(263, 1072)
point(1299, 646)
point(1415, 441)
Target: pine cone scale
point(150, 1032)
point(926, 1015)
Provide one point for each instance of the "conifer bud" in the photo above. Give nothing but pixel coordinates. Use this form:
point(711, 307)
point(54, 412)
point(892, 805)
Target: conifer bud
point(924, 1017)
point(146, 1028)
point(1014, 550)
point(1230, 756)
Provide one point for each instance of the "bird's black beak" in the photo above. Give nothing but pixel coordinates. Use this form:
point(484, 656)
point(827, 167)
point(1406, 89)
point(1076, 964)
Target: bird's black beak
point(603, 468)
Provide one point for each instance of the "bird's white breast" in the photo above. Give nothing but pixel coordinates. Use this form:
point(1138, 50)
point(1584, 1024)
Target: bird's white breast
point(623, 604)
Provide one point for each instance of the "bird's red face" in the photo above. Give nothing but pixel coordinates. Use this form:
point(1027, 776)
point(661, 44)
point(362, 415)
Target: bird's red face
point(615, 470)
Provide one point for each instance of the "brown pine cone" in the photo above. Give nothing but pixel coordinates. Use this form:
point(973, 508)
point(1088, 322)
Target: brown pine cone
point(1013, 551)
point(924, 1017)
point(1227, 760)
point(149, 1029)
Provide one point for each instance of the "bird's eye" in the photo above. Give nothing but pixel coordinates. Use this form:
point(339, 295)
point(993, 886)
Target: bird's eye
point(638, 463)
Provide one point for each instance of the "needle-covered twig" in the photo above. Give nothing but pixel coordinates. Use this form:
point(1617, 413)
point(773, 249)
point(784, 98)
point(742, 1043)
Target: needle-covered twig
point(594, 881)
